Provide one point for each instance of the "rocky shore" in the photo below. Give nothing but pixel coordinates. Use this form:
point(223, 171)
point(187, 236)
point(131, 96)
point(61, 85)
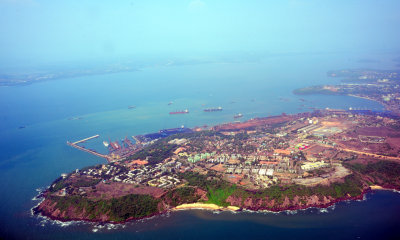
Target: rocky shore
point(205, 191)
point(48, 208)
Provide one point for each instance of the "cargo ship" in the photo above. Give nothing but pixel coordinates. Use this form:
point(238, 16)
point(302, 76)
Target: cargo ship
point(238, 115)
point(213, 109)
point(180, 112)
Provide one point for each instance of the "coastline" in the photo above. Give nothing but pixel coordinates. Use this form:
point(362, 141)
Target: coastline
point(370, 99)
point(214, 207)
point(377, 187)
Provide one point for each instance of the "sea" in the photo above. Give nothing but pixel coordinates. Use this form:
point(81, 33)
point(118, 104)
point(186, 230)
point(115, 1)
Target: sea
point(37, 120)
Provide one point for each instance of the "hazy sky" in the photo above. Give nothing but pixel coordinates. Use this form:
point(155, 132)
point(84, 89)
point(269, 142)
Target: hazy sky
point(82, 29)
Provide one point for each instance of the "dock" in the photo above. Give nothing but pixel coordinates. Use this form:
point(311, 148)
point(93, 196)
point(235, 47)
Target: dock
point(123, 151)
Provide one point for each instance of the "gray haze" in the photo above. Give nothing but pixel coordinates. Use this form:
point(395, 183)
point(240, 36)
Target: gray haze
point(44, 31)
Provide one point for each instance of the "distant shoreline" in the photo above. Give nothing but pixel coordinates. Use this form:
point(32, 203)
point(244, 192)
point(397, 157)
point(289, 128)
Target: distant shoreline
point(370, 99)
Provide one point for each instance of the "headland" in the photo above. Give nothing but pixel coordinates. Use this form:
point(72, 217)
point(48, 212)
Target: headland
point(278, 163)
point(381, 86)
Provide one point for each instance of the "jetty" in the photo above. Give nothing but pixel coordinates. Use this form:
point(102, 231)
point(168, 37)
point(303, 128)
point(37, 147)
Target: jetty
point(86, 139)
point(75, 145)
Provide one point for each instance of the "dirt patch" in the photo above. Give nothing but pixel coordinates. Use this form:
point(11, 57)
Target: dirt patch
point(116, 190)
point(335, 176)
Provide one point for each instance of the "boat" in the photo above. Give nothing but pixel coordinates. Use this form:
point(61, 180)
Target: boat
point(180, 112)
point(238, 115)
point(131, 107)
point(105, 144)
point(75, 118)
point(213, 109)
point(170, 103)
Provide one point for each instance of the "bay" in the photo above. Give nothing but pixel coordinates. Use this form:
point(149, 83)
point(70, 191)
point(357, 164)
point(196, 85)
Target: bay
point(32, 157)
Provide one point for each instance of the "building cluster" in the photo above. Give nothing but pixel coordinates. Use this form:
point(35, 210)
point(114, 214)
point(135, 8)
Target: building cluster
point(104, 171)
point(257, 157)
point(263, 157)
point(158, 175)
point(164, 181)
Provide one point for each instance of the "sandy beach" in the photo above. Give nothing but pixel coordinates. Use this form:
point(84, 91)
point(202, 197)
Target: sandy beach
point(376, 187)
point(207, 206)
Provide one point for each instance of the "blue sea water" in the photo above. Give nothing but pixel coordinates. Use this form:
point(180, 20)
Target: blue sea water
point(32, 157)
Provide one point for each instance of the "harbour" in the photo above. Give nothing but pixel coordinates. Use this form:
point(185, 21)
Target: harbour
point(43, 155)
point(75, 145)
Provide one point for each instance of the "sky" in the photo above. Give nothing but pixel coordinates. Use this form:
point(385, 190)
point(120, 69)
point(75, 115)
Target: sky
point(48, 30)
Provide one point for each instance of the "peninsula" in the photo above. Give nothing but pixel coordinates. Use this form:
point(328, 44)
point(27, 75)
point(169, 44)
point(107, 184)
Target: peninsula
point(377, 85)
point(285, 162)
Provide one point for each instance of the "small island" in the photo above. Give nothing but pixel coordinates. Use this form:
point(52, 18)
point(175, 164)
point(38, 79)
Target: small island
point(285, 162)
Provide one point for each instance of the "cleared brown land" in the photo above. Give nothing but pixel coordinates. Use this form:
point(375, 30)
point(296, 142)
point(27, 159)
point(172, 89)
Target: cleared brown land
point(335, 176)
point(115, 190)
point(376, 131)
point(391, 146)
point(253, 123)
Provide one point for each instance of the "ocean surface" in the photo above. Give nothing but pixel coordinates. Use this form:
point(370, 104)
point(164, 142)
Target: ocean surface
point(37, 120)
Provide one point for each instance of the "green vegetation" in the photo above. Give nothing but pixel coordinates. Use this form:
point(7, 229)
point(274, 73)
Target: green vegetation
point(61, 183)
point(195, 179)
point(86, 182)
point(58, 184)
point(119, 209)
point(182, 195)
point(219, 195)
point(133, 205)
point(217, 189)
point(155, 153)
point(351, 186)
point(382, 172)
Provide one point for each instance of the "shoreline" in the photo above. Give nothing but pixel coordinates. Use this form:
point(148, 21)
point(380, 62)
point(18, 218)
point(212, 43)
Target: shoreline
point(214, 207)
point(377, 187)
point(370, 99)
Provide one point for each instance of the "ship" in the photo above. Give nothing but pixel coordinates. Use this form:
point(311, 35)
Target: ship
point(213, 109)
point(170, 103)
point(105, 144)
point(132, 107)
point(238, 115)
point(180, 112)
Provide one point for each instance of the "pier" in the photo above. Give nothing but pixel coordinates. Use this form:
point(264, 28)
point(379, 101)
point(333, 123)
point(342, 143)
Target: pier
point(137, 141)
point(86, 139)
point(74, 145)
